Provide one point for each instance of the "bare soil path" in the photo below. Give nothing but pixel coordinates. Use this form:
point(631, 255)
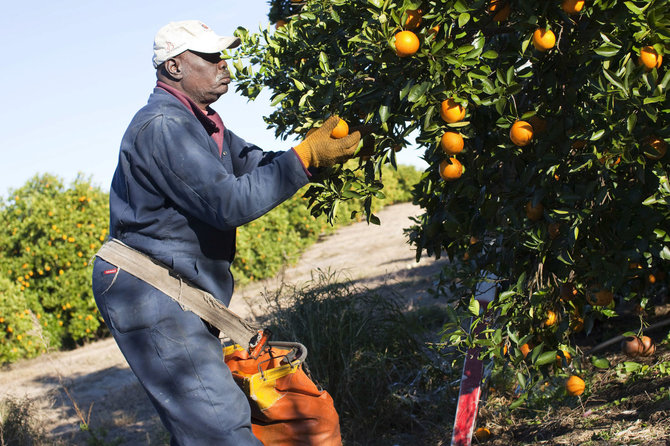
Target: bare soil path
point(96, 380)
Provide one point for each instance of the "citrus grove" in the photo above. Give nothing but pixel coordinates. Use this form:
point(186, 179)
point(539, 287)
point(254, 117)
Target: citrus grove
point(545, 126)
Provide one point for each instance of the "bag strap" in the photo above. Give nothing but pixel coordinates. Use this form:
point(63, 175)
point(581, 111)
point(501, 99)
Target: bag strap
point(188, 296)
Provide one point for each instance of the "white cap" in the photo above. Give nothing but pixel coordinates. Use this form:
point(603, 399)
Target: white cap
point(177, 37)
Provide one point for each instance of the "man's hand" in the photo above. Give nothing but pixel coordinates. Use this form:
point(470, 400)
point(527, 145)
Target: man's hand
point(320, 150)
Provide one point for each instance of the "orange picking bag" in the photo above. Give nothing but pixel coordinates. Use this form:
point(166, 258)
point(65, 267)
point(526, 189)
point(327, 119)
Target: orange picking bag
point(287, 408)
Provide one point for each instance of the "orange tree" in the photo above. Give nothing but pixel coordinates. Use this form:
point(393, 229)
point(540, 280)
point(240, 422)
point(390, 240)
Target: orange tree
point(49, 234)
point(561, 188)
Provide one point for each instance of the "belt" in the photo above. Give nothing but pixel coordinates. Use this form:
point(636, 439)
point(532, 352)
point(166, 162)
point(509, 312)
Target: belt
point(191, 298)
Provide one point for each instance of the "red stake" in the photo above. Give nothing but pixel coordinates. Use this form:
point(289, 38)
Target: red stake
point(471, 379)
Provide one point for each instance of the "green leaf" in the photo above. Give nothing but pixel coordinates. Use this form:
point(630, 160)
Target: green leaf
point(473, 308)
point(630, 122)
point(597, 135)
point(463, 19)
point(601, 363)
point(518, 402)
point(384, 112)
point(490, 54)
point(278, 99)
point(633, 8)
point(521, 379)
point(607, 50)
point(418, 91)
point(546, 358)
point(614, 80)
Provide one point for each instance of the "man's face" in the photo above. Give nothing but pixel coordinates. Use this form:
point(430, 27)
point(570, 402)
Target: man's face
point(205, 76)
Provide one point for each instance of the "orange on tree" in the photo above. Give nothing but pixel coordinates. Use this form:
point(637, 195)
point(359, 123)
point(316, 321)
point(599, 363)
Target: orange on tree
point(341, 129)
point(451, 143)
point(655, 148)
point(280, 23)
point(525, 349)
point(414, 18)
point(566, 356)
point(451, 169)
point(649, 58)
point(601, 297)
point(554, 230)
point(406, 43)
point(434, 30)
point(575, 385)
point(500, 9)
point(534, 213)
point(551, 318)
point(572, 6)
point(451, 111)
point(521, 133)
point(544, 39)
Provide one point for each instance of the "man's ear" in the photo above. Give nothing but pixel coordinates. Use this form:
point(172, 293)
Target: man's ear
point(173, 68)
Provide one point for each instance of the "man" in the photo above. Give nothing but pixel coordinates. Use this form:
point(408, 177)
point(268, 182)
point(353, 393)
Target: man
point(183, 184)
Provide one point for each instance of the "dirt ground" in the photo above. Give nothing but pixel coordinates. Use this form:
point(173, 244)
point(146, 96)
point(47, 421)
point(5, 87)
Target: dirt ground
point(96, 382)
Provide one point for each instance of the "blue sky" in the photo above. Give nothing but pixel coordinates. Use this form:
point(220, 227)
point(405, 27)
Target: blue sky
point(75, 73)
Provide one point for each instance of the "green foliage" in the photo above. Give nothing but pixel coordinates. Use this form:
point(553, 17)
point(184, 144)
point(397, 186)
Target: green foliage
point(605, 197)
point(49, 234)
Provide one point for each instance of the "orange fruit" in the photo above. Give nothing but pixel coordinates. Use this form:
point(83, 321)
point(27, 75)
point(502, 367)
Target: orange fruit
point(577, 324)
point(554, 230)
point(544, 39)
point(551, 319)
point(650, 58)
point(631, 346)
point(601, 298)
point(406, 43)
point(575, 385)
point(341, 130)
point(655, 148)
point(451, 171)
point(434, 30)
point(534, 213)
point(500, 9)
point(566, 355)
point(482, 434)
point(525, 349)
point(451, 143)
point(280, 23)
point(521, 133)
point(648, 347)
point(572, 6)
point(414, 18)
point(651, 279)
point(451, 111)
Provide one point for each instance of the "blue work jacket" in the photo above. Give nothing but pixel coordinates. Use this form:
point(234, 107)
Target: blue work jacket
point(176, 199)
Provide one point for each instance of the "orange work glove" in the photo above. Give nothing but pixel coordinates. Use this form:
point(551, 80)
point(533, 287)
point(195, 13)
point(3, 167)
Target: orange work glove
point(320, 150)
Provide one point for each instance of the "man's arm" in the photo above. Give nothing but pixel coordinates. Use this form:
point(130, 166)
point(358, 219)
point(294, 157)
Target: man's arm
point(191, 176)
point(245, 156)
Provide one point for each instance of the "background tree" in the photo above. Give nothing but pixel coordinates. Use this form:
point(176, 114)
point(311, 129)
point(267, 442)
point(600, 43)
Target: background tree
point(545, 124)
